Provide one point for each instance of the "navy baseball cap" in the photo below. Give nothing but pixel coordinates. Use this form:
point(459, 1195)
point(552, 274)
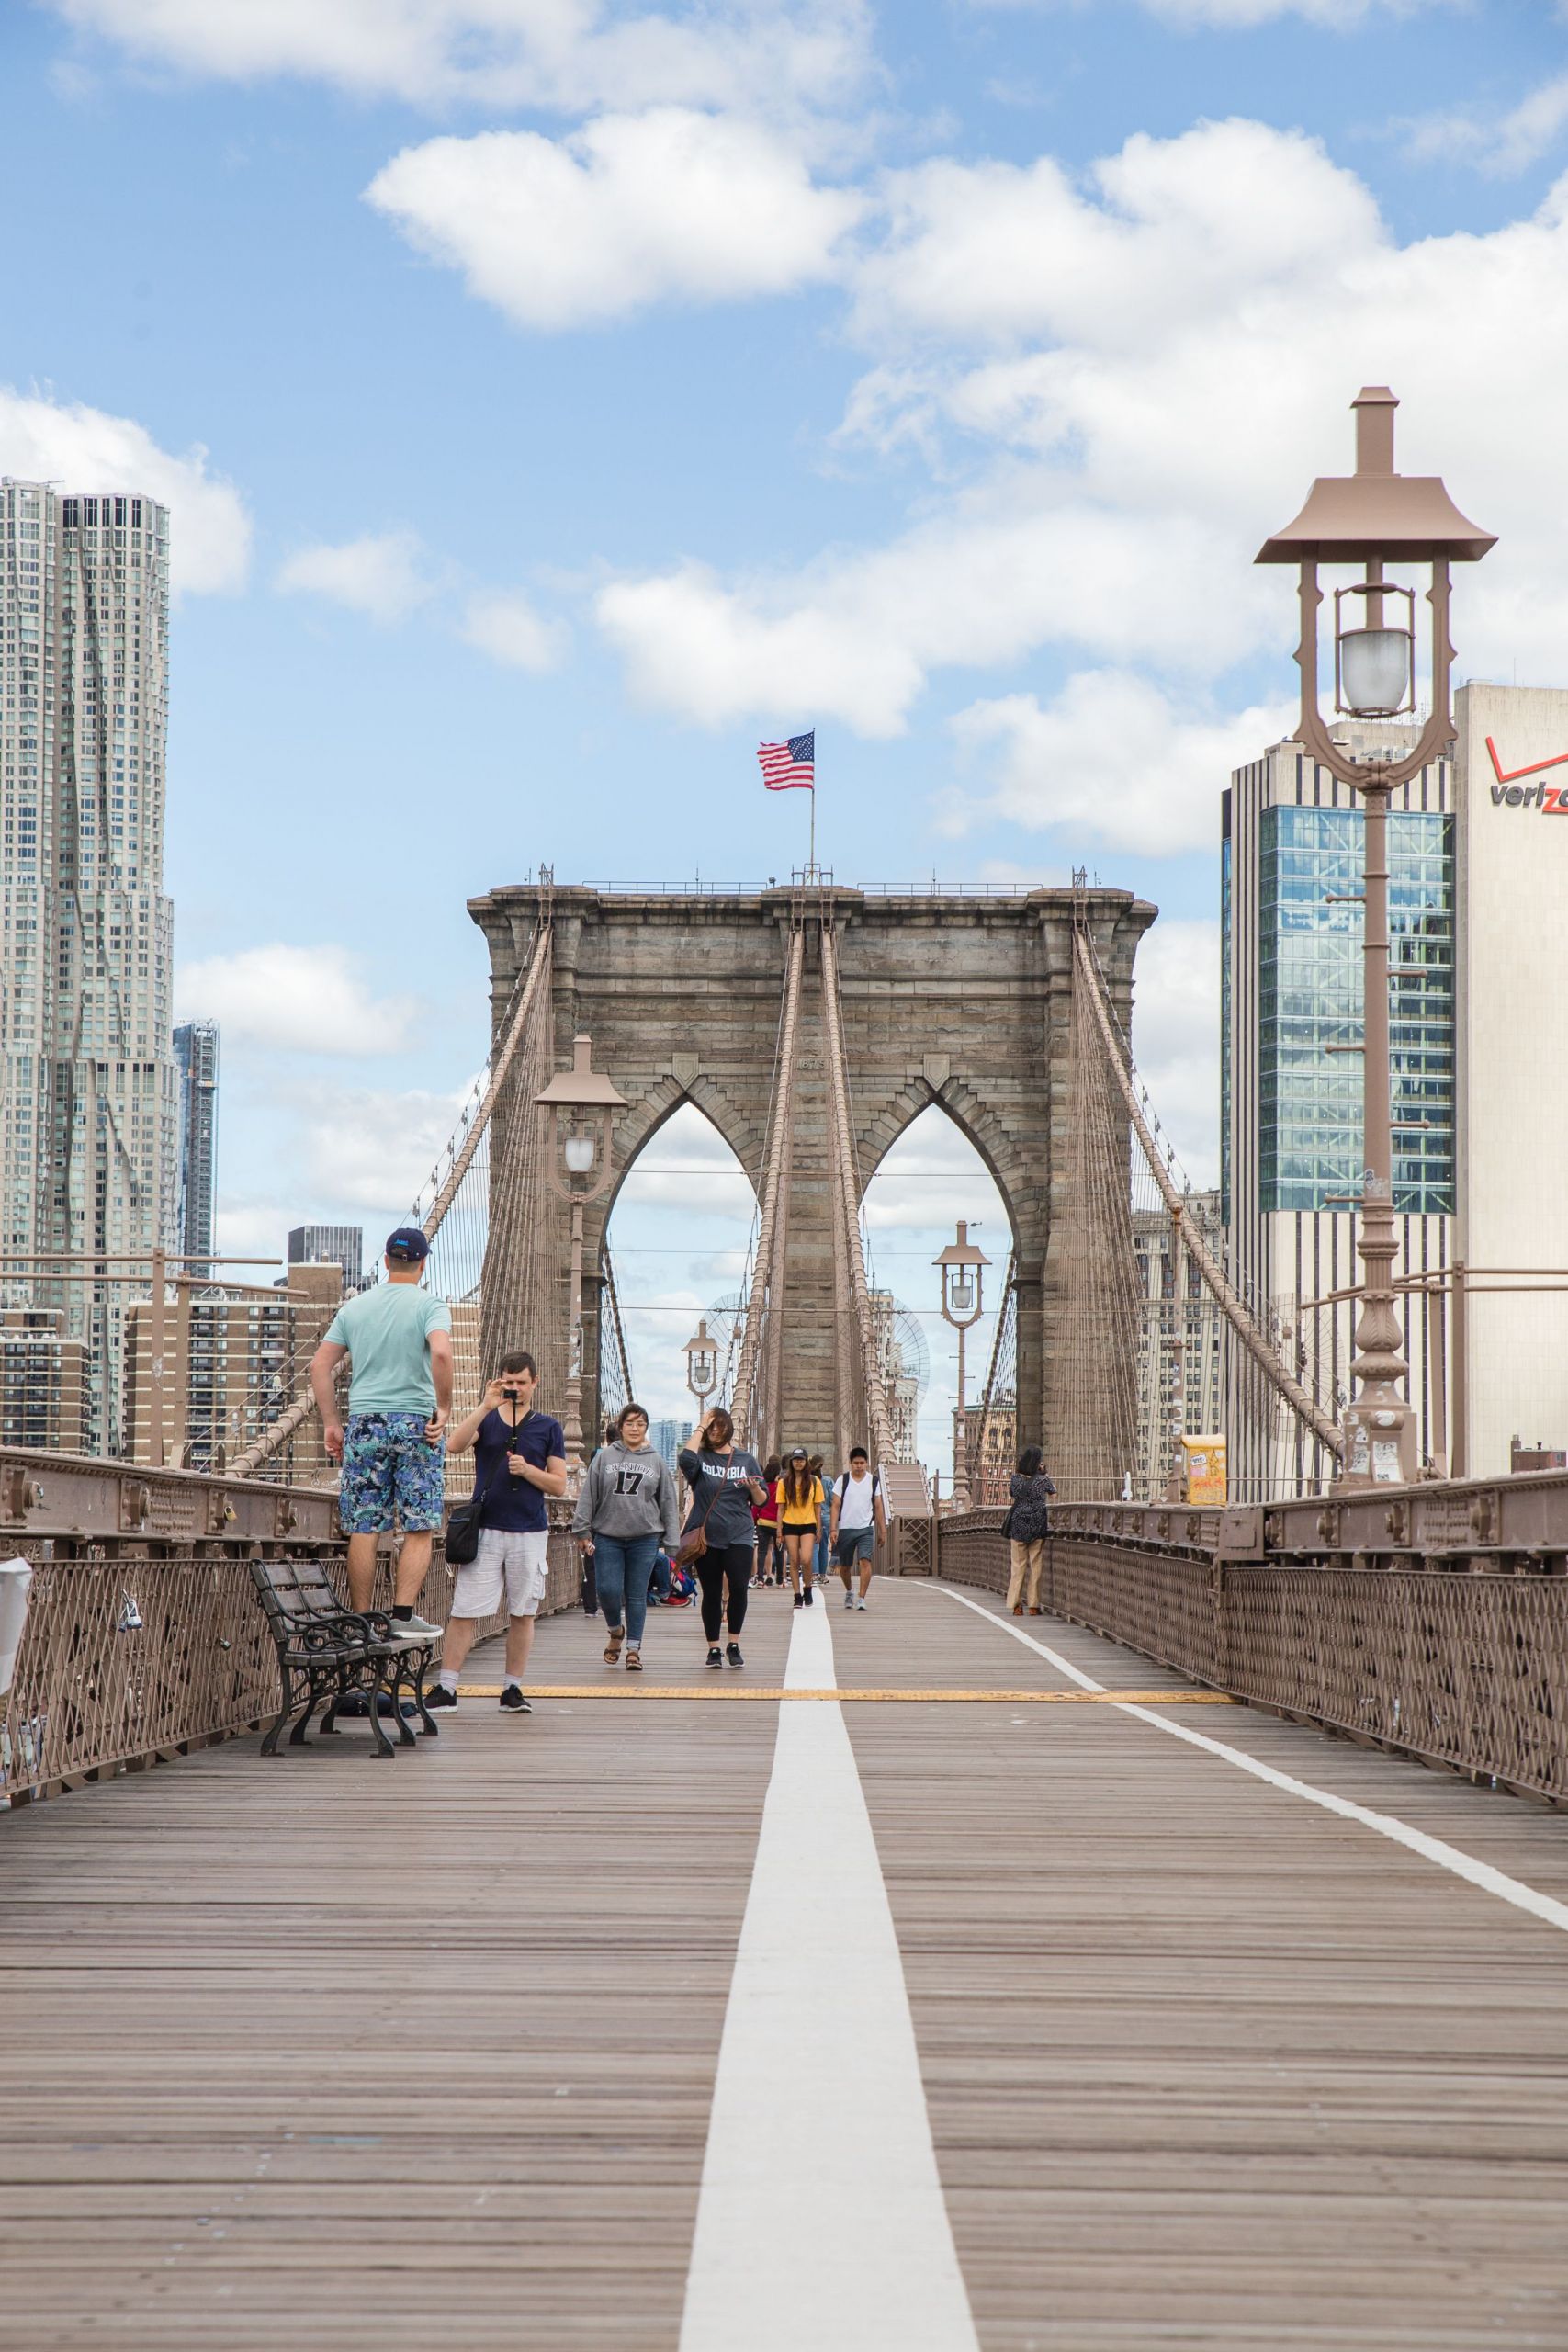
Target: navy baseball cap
point(407, 1246)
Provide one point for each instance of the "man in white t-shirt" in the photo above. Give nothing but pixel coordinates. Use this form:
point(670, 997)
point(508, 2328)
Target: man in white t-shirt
point(858, 1526)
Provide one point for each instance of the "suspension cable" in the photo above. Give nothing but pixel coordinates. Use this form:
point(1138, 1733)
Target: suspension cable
point(852, 1256)
point(276, 1436)
point(1231, 1305)
point(774, 1187)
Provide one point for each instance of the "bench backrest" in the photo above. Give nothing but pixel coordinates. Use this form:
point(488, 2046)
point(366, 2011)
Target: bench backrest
point(294, 1592)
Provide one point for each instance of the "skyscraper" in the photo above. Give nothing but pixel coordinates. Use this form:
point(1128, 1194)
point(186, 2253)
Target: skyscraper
point(91, 1091)
point(195, 1051)
point(330, 1245)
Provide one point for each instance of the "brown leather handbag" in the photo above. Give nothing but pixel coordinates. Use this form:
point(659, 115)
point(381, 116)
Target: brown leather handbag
point(695, 1541)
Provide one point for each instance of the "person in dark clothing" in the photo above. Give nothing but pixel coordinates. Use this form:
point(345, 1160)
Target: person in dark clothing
point(1031, 1491)
point(724, 1482)
point(766, 1516)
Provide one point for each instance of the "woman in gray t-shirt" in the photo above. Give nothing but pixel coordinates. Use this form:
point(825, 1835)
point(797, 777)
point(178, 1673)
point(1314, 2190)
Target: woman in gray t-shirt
point(725, 1481)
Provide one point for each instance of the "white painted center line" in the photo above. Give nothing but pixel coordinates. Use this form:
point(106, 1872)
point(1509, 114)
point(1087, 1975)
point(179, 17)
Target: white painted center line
point(821, 2221)
point(1387, 1825)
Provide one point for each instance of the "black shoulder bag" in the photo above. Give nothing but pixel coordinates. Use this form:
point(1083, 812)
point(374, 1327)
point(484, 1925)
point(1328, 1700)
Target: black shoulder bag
point(464, 1526)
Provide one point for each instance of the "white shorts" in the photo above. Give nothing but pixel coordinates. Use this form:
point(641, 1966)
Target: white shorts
point(518, 1561)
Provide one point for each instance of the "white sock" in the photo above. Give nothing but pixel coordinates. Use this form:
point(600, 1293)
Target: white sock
point(449, 1680)
point(512, 1682)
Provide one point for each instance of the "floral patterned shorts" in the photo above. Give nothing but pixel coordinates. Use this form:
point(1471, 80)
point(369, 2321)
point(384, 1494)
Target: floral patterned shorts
point(390, 1471)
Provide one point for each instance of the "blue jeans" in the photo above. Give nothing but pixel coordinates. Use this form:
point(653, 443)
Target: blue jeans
point(659, 1580)
point(622, 1566)
point(824, 1525)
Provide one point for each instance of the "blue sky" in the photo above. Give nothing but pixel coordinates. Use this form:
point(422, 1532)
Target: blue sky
point(555, 397)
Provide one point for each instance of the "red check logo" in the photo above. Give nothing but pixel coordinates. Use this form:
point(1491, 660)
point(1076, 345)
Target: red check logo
point(1512, 775)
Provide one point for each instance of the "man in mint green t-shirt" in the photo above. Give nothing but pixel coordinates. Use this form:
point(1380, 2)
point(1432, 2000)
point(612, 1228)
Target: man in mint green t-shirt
point(393, 1449)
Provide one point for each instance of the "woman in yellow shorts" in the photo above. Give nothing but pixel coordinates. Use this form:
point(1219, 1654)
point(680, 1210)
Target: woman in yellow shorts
point(800, 1500)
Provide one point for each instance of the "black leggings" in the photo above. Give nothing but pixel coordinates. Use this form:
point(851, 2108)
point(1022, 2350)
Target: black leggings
point(721, 1562)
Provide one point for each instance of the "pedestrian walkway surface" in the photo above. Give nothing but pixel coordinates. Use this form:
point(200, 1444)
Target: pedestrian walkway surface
point(924, 2024)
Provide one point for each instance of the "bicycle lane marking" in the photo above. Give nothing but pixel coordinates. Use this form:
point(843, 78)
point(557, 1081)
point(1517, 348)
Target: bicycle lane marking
point(819, 2067)
point(1483, 1875)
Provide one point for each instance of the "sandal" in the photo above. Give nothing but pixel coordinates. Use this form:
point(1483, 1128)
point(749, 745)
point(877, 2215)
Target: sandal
point(613, 1646)
point(634, 1661)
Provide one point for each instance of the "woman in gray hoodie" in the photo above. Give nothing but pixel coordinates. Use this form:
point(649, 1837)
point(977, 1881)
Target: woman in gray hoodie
point(628, 1504)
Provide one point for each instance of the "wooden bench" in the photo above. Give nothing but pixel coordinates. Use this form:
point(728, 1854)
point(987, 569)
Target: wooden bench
point(326, 1652)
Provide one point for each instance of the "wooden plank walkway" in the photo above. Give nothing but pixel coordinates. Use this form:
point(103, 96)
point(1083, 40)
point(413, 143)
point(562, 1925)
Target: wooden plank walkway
point(351, 2054)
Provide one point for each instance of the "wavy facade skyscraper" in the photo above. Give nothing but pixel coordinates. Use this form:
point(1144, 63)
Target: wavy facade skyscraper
point(91, 1087)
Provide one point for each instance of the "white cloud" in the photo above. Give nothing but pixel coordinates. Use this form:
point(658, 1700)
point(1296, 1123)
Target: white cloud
point(507, 627)
point(369, 1150)
point(1242, 16)
point(927, 1178)
point(1176, 1037)
point(574, 55)
point(1012, 874)
point(632, 210)
point(986, 581)
point(83, 448)
point(383, 574)
point(1143, 368)
point(1159, 236)
point(292, 1000)
point(253, 1229)
point(1111, 758)
point(1499, 142)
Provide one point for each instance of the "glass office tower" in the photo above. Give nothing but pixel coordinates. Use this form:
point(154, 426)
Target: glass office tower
point(1310, 956)
point(1290, 1083)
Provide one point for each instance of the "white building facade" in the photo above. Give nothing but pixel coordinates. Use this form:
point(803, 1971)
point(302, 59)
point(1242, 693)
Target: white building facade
point(1508, 1358)
point(91, 1087)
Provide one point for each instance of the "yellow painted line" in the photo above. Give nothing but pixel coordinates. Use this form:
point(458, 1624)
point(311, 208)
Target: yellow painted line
point(640, 1687)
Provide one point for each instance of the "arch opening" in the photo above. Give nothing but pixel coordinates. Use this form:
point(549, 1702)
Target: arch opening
point(932, 1176)
point(679, 1235)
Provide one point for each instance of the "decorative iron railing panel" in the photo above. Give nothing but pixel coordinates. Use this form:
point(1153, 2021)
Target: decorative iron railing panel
point(1463, 1665)
point(127, 1661)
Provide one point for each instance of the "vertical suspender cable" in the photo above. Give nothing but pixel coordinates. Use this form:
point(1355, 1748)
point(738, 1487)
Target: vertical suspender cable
point(852, 1257)
point(775, 1184)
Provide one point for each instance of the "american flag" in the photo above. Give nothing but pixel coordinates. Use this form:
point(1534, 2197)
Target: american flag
point(790, 766)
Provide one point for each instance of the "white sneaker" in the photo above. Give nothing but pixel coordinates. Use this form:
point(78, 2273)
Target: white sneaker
point(861, 1602)
point(849, 1601)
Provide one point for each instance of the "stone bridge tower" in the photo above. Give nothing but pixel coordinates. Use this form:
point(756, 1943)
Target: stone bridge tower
point(961, 1000)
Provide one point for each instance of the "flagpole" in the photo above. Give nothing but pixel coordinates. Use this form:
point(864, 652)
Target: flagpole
point(811, 861)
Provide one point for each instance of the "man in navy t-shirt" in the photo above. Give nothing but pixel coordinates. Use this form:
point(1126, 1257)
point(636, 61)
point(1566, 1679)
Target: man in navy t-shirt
point(519, 1462)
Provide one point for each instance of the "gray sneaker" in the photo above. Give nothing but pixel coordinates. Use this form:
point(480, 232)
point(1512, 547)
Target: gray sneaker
point(861, 1602)
point(416, 1630)
point(849, 1599)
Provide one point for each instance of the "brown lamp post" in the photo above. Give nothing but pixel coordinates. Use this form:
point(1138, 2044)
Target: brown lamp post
point(963, 1277)
point(1369, 520)
point(578, 1165)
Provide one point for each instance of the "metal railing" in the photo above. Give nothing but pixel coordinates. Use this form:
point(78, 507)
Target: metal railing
point(932, 890)
point(1432, 1621)
point(143, 1638)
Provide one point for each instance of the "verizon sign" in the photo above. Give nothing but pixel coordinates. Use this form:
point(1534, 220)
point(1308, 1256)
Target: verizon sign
point(1550, 799)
